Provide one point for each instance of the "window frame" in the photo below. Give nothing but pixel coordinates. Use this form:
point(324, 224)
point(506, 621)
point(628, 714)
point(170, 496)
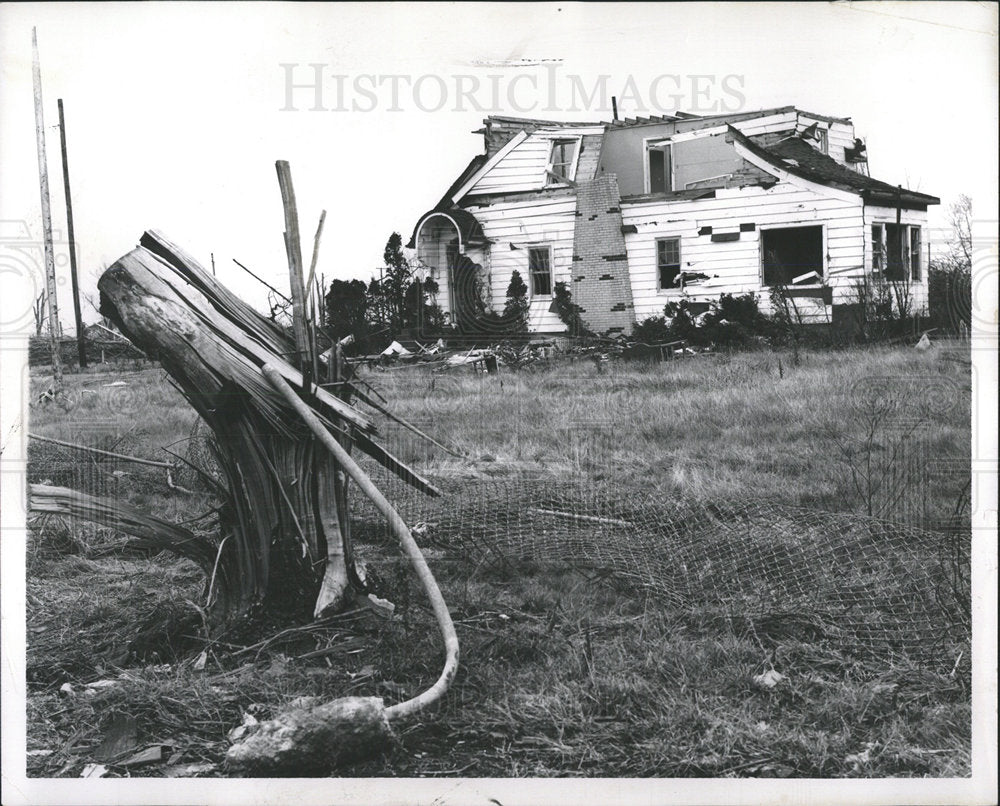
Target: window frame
point(555, 140)
point(909, 275)
point(916, 264)
point(877, 247)
point(649, 144)
point(532, 294)
point(660, 288)
point(824, 269)
point(824, 140)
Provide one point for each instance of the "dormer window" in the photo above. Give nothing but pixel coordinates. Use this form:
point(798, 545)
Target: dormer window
point(562, 161)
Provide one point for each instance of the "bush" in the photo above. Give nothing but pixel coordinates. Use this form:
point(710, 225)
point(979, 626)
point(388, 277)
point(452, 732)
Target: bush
point(568, 311)
point(654, 330)
point(730, 321)
point(515, 311)
point(736, 321)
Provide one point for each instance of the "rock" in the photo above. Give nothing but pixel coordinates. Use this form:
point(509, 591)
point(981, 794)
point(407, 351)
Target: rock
point(314, 741)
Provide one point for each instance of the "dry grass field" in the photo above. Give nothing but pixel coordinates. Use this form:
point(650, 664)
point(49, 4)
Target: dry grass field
point(563, 673)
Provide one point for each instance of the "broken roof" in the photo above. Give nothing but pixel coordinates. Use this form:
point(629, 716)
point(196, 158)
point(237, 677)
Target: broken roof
point(799, 158)
point(533, 122)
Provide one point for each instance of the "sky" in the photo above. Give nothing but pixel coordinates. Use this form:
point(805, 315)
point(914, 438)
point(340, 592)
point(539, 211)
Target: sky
point(177, 112)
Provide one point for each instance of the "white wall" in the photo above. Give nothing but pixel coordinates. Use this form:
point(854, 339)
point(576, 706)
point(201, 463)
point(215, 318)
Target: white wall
point(735, 267)
point(536, 222)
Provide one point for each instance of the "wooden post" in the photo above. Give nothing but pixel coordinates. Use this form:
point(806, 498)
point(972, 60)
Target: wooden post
point(315, 255)
point(81, 341)
point(293, 248)
point(43, 183)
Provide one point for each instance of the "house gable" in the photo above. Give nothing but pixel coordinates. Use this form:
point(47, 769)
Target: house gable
point(524, 163)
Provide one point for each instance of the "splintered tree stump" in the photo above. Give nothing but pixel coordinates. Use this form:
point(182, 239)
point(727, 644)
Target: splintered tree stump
point(284, 523)
point(314, 740)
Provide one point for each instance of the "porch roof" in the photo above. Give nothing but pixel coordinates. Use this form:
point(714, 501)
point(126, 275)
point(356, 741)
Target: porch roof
point(470, 231)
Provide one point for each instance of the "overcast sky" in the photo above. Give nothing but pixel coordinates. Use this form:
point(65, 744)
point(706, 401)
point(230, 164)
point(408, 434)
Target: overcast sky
point(176, 113)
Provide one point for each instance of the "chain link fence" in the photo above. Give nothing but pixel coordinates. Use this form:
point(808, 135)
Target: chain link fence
point(876, 589)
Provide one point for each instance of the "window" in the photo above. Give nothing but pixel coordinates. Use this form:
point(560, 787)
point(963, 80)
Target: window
point(896, 251)
point(562, 161)
point(790, 252)
point(823, 140)
point(540, 270)
point(668, 263)
point(878, 249)
point(659, 176)
point(915, 273)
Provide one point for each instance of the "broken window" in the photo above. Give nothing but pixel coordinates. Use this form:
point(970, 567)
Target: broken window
point(823, 141)
point(915, 254)
point(878, 249)
point(659, 178)
point(668, 263)
point(562, 161)
point(791, 252)
point(895, 245)
point(896, 251)
point(540, 270)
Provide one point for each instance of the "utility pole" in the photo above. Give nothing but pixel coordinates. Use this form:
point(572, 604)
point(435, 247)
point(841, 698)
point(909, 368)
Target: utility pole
point(81, 342)
point(43, 182)
point(212, 255)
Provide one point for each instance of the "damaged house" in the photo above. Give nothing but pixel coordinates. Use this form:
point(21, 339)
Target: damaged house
point(635, 213)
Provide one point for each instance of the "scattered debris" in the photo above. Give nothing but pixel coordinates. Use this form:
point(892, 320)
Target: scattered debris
point(189, 770)
point(154, 754)
point(381, 607)
point(924, 344)
point(237, 733)
point(863, 758)
point(769, 679)
point(120, 738)
point(94, 771)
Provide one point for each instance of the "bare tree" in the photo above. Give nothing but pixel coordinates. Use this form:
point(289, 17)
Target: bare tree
point(950, 274)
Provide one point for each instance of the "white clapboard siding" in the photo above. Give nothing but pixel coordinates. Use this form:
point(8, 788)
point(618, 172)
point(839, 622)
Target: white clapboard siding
point(537, 222)
point(840, 136)
point(734, 266)
point(771, 123)
point(522, 169)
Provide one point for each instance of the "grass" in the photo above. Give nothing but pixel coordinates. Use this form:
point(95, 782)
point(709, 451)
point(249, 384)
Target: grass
point(560, 675)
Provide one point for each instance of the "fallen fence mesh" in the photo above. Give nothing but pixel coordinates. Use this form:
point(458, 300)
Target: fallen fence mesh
point(876, 589)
